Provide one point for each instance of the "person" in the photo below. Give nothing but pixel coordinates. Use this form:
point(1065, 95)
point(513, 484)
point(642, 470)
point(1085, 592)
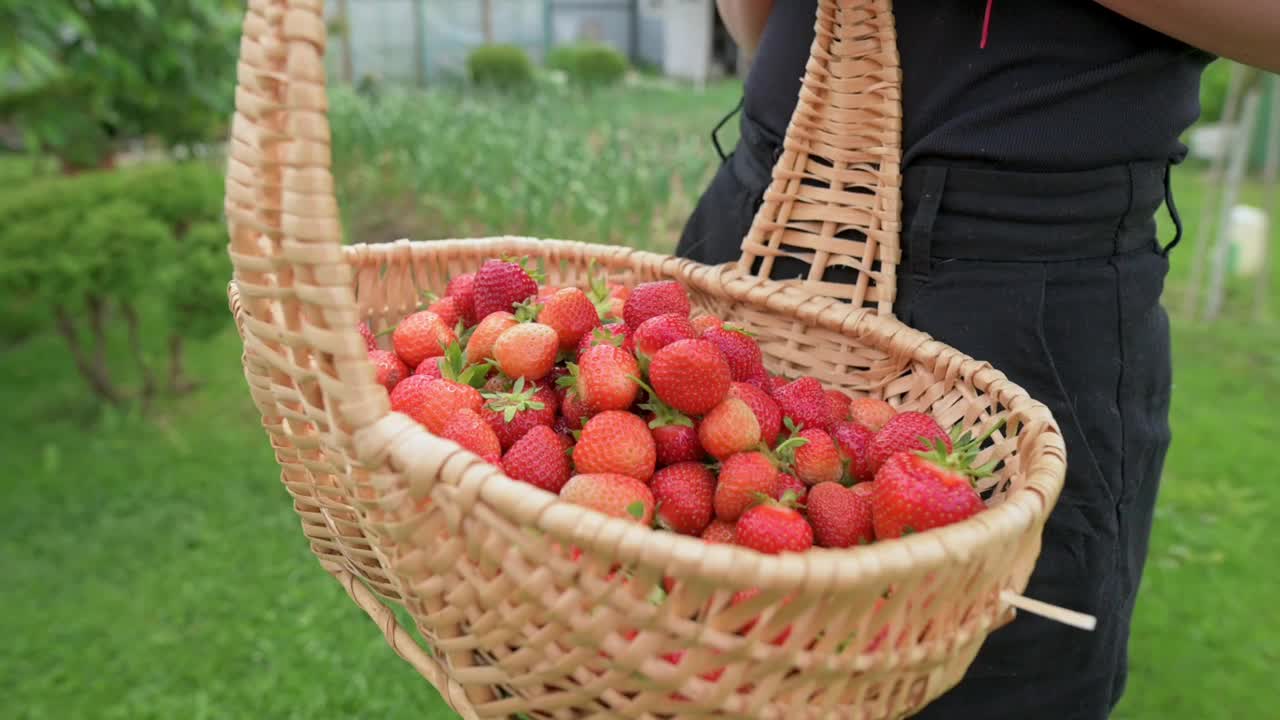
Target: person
point(1037, 143)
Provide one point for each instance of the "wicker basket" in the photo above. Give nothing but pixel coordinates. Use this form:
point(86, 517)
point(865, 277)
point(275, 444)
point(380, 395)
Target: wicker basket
point(515, 625)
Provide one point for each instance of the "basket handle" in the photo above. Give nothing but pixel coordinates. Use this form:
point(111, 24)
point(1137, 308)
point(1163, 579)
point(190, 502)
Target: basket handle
point(284, 227)
point(830, 217)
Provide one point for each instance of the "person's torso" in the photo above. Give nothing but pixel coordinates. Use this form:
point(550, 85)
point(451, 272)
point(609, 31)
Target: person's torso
point(1061, 85)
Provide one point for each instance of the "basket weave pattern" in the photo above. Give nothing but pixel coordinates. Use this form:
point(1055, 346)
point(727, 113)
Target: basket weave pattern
point(482, 563)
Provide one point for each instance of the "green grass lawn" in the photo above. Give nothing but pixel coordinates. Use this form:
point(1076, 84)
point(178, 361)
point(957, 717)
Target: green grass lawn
point(154, 568)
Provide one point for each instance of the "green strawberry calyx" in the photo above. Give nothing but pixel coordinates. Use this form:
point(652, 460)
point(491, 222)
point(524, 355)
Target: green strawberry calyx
point(964, 453)
point(570, 382)
point(783, 455)
point(663, 414)
point(455, 367)
point(527, 311)
point(598, 292)
point(539, 273)
point(518, 400)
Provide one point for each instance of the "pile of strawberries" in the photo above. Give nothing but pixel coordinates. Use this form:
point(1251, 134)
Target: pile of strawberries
point(624, 401)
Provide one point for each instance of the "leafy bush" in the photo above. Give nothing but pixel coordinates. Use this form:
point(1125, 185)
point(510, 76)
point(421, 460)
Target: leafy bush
point(1214, 85)
point(588, 65)
point(505, 67)
point(83, 247)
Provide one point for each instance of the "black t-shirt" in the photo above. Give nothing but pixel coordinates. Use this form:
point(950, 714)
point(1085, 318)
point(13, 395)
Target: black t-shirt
point(1062, 85)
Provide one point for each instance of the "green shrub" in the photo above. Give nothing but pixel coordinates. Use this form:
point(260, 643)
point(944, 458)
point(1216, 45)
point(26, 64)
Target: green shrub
point(587, 64)
point(84, 248)
point(1214, 85)
point(505, 67)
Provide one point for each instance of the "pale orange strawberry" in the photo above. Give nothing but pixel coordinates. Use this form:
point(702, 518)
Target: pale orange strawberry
point(617, 442)
point(469, 430)
point(743, 479)
point(765, 408)
point(691, 376)
point(420, 336)
point(571, 314)
point(729, 428)
point(480, 345)
point(840, 517)
point(817, 460)
point(388, 367)
point(527, 350)
point(658, 297)
point(539, 459)
point(871, 412)
point(606, 378)
point(684, 493)
point(702, 322)
point(773, 527)
point(620, 496)
point(432, 401)
point(720, 531)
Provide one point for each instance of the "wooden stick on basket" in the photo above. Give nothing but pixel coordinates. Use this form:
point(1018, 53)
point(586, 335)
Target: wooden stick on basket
point(515, 623)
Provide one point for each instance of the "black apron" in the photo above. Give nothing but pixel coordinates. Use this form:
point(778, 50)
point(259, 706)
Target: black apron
point(1054, 278)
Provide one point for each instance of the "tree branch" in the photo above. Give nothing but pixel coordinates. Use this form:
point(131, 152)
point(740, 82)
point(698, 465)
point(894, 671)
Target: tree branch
point(95, 374)
point(139, 354)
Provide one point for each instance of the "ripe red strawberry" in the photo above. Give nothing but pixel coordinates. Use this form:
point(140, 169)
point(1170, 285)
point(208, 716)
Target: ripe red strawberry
point(691, 376)
point(729, 428)
point(739, 348)
point(840, 517)
point(776, 382)
point(660, 331)
point(702, 322)
point(854, 442)
point(480, 345)
point(763, 382)
point(917, 491)
point(463, 289)
point(615, 334)
point(805, 402)
point(420, 336)
point(606, 378)
point(388, 367)
point(720, 532)
point(743, 477)
point(684, 493)
point(676, 444)
point(432, 401)
point(515, 412)
point(571, 314)
point(575, 411)
point(766, 409)
point(654, 298)
point(863, 488)
point(616, 442)
point(499, 285)
point(469, 430)
point(366, 332)
point(788, 482)
point(612, 494)
point(817, 460)
point(837, 406)
point(902, 433)
point(772, 528)
point(527, 350)
point(431, 367)
point(871, 412)
point(539, 459)
point(448, 310)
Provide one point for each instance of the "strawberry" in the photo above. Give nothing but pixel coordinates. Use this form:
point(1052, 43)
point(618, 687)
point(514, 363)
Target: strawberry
point(788, 482)
point(463, 289)
point(606, 378)
point(615, 334)
point(683, 493)
point(774, 527)
point(469, 430)
point(720, 532)
point(728, 429)
point(420, 336)
point(837, 406)
point(612, 494)
point(432, 401)
point(571, 314)
point(854, 442)
point(575, 411)
point(702, 322)
point(366, 332)
point(776, 382)
point(499, 285)
point(431, 367)
point(840, 517)
point(691, 376)
point(658, 297)
point(527, 350)
point(660, 331)
point(743, 477)
point(863, 488)
point(763, 382)
point(766, 409)
point(674, 436)
point(539, 459)
point(817, 460)
point(388, 367)
point(916, 490)
point(480, 344)
point(805, 402)
point(616, 442)
point(513, 413)
point(871, 412)
point(448, 310)
point(545, 292)
point(739, 348)
point(906, 431)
